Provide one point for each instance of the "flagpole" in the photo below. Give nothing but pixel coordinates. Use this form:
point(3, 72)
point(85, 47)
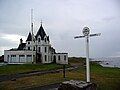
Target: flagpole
point(32, 32)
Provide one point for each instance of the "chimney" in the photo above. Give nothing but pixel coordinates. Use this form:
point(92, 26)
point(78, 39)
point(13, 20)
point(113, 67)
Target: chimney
point(21, 41)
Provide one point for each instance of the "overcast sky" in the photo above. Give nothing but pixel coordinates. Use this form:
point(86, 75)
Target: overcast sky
point(62, 20)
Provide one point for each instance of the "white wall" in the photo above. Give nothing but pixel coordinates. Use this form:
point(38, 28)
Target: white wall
point(17, 58)
point(62, 59)
point(30, 45)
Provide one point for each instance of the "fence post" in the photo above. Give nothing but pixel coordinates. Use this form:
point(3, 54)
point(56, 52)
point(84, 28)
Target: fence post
point(64, 71)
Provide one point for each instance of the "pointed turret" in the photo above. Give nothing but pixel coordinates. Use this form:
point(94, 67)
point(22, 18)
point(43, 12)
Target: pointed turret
point(41, 32)
point(29, 38)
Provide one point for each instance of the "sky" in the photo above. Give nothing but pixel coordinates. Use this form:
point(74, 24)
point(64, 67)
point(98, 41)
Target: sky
point(62, 20)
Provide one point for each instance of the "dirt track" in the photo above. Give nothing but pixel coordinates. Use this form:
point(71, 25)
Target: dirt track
point(32, 73)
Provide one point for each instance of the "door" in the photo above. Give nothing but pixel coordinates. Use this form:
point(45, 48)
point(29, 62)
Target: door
point(54, 59)
point(38, 58)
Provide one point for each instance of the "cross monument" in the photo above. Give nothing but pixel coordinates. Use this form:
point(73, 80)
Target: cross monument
point(86, 35)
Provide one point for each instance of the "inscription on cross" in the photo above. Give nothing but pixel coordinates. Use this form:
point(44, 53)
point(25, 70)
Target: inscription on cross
point(86, 35)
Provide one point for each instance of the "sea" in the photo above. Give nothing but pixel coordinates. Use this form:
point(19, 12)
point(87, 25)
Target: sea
point(108, 62)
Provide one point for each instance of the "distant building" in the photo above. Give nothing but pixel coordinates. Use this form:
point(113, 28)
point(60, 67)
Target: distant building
point(43, 52)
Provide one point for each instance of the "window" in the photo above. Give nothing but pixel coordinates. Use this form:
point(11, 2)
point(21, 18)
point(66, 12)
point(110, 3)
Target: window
point(45, 49)
point(59, 57)
point(39, 49)
point(45, 57)
point(28, 42)
point(29, 55)
point(45, 39)
point(28, 48)
point(13, 55)
point(13, 58)
point(21, 55)
point(8, 58)
point(64, 57)
point(38, 39)
point(29, 58)
point(21, 58)
point(34, 49)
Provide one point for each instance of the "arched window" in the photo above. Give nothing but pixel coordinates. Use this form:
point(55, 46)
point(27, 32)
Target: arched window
point(38, 39)
point(45, 39)
point(45, 49)
point(64, 57)
point(39, 49)
point(59, 57)
point(34, 49)
point(28, 48)
point(54, 59)
point(45, 57)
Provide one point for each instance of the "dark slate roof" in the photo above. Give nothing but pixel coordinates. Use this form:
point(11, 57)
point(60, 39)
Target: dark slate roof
point(61, 53)
point(13, 49)
point(52, 50)
point(48, 38)
point(41, 32)
point(21, 46)
point(29, 38)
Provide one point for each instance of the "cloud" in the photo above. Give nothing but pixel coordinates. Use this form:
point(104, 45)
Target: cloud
point(12, 37)
point(62, 20)
point(116, 54)
point(109, 18)
point(2, 49)
point(9, 41)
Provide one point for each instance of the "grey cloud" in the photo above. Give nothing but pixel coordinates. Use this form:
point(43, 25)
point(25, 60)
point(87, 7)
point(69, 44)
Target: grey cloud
point(64, 19)
point(8, 43)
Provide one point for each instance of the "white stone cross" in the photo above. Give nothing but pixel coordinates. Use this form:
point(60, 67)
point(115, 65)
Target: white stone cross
point(86, 34)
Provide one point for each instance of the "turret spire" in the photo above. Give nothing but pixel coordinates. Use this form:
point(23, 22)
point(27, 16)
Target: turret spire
point(41, 22)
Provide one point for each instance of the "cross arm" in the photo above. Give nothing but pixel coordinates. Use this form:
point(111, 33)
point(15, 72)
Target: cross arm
point(79, 37)
point(97, 34)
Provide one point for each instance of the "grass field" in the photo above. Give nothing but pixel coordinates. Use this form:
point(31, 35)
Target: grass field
point(105, 78)
point(13, 69)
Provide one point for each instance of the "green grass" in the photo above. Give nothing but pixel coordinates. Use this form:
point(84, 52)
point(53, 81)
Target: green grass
point(105, 78)
point(105, 71)
point(75, 60)
point(12, 69)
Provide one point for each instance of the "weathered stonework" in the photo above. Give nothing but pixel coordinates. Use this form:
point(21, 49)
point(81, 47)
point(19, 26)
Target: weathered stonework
point(77, 85)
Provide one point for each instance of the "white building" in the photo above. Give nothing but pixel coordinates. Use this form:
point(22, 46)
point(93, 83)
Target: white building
point(42, 51)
